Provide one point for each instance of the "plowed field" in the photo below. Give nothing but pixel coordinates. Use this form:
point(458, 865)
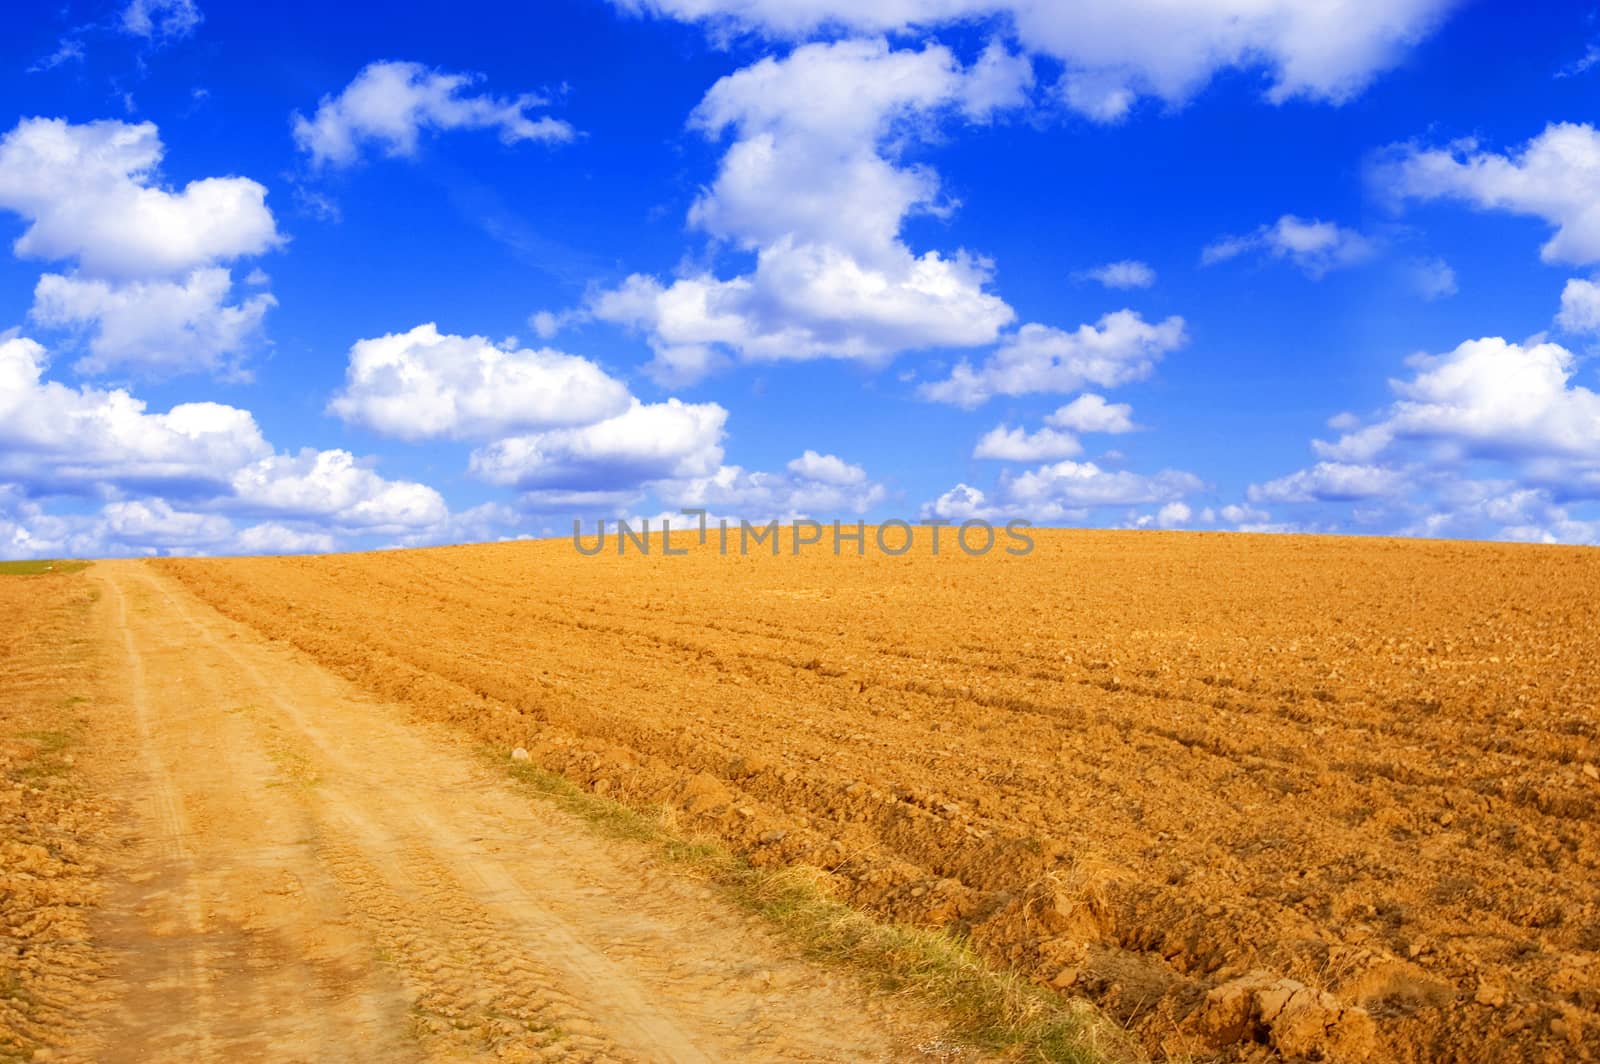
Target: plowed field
point(1256, 796)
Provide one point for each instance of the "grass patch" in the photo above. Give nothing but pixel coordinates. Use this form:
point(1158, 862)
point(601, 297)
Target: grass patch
point(41, 566)
point(48, 761)
point(50, 742)
point(991, 1009)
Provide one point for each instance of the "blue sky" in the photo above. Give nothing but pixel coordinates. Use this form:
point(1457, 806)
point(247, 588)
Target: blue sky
point(284, 279)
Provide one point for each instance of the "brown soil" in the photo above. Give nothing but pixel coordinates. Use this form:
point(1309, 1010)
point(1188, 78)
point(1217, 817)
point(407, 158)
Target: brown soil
point(305, 874)
point(1257, 796)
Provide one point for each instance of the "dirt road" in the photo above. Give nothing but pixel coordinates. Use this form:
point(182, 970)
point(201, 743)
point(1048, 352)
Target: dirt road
point(317, 879)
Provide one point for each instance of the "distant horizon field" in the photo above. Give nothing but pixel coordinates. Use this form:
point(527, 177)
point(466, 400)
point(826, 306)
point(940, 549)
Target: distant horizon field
point(25, 566)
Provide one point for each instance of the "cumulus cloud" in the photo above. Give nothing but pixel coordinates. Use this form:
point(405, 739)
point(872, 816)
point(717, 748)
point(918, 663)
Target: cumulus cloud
point(273, 537)
point(1125, 273)
point(1085, 484)
point(1111, 57)
point(173, 479)
point(1489, 399)
point(1493, 438)
point(390, 104)
point(425, 384)
point(1008, 444)
point(805, 302)
point(1580, 307)
point(335, 486)
point(811, 184)
point(1315, 247)
point(156, 325)
point(646, 442)
point(814, 485)
point(1120, 348)
point(89, 193)
point(1330, 482)
point(1067, 492)
point(1086, 413)
point(1174, 515)
point(1500, 509)
point(826, 469)
point(962, 503)
point(825, 110)
point(1091, 413)
point(1554, 177)
point(147, 289)
point(156, 523)
point(61, 438)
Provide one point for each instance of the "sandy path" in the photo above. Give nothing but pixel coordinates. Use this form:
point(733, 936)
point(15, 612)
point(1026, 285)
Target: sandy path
point(320, 879)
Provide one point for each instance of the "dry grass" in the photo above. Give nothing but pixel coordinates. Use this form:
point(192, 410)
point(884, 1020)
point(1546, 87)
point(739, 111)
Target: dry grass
point(41, 566)
point(991, 1009)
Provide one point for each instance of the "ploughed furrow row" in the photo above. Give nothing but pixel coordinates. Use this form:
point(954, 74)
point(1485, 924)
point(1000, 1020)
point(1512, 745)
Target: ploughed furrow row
point(1140, 767)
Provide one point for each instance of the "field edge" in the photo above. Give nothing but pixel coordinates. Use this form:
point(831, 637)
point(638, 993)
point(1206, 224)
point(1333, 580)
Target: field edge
point(988, 1007)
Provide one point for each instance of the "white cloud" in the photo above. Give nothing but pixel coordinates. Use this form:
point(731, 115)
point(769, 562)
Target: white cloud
point(155, 522)
point(423, 384)
point(390, 104)
point(1490, 439)
point(546, 324)
point(89, 192)
point(825, 110)
point(163, 20)
point(485, 523)
point(998, 81)
point(1500, 509)
point(1488, 399)
point(1583, 64)
point(172, 480)
point(1555, 177)
point(566, 501)
point(1313, 246)
point(1120, 348)
point(55, 436)
point(335, 486)
point(1580, 307)
point(273, 537)
point(812, 186)
point(1116, 51)
point(147, 289)
point(1433, 278)
point(1091, 413)
point(1174, 515)
point(1330, 482)
point(1008, 444)
point(646, 442)
point(1086, 413)
point(1125, 273)
point(156, 325)
point(826, 469)
point(69, 50)
point(1085, 484)
point(962, 503)
point(1066, 492)
point(810, 488)
point(1244, 518)
point(804, 302)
